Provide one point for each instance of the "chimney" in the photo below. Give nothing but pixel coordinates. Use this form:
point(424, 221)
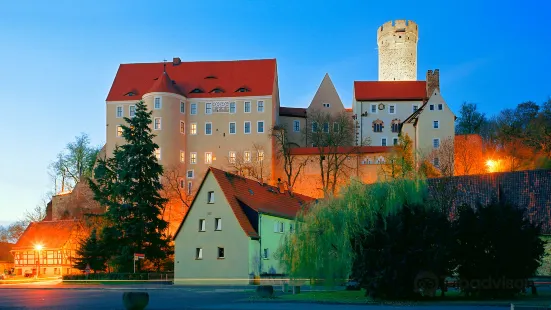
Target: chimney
point(176, 61)
point(433, 81)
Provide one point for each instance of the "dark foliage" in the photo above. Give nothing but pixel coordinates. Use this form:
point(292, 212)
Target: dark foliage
point(91, 253)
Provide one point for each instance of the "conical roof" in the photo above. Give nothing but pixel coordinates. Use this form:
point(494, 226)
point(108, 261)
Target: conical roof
point(164, 84)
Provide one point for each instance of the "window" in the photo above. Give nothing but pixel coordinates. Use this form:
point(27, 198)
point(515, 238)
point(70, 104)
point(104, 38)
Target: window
point(436, 124)
point(208, 158)
point(193, 158)
point(193, 109)
point(415, 107)
point(182, 127)
point(395, 127)
point(440, 107)
point(189, 187)
point(193, 129)
point(260, 106)
point(202, 225)
point(326, 105)
point(247, 107)
point(436, 162)
point(232, 157)
point(208, 128)
point(247, 156)
point(266, 254)
point(157, 123)
point(314, 127)
point(217, 221)
point(436, 143)
point(232, 107)
point(182, 156)
point(119, 131)
point(198, 253)
point(432, 107)
point(210, 197)
point(190, 174)
point(158, 153)
point(220, 253)
point(119, 111)
point(373, 108)
point(260, 156)
point(335, 127)
point(260, 126)
point(291, 228)
point(182, 183)
point(395, 141)
point(132, 110)
point(377, 127)
point(279, 227)
point(383, 142)
point(296, 126)
point(247, 127)
point(391, 109)
point(157, 104)
point(208, 108)
point(326, 127)
point(182, 107)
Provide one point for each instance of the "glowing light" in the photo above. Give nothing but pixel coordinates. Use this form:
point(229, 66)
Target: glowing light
point(38, 247)
point(493, 165)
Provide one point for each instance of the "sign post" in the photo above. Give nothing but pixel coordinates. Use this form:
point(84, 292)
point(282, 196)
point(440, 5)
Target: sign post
point(136, 257)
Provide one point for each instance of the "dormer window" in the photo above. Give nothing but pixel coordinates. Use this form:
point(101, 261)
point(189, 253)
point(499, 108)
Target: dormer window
point(242, 90)
point(196, 91)
point(210, 77)
point(217, 90)
point(130, 94)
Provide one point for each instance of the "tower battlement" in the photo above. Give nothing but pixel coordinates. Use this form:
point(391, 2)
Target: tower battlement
point(398, 26)
point(397, 42)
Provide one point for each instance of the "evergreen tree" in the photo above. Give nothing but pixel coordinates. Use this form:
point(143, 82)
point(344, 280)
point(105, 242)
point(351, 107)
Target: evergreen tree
point(128, 185)
point(90, 252)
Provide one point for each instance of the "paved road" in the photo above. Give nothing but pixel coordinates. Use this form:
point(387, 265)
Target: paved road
point(183, 299)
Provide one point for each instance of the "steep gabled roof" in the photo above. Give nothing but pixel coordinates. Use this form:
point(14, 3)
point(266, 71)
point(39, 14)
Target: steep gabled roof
point(390, 90)
point(240, 191)
point(258, 76)
point(48, 234)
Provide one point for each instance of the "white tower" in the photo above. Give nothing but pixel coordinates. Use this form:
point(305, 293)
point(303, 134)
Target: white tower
point(397, 51)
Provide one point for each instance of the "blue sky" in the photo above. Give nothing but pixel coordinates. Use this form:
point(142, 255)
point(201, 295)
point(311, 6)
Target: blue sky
point(58, 60)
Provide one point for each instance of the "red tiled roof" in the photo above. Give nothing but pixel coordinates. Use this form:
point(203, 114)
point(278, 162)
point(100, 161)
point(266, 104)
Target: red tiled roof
point(348, 109)
point(260, 198)
point(164, 84)
point(390, 90)
point(49, 234)
point(341, 150)
point(5, 248)
point(258, 76)
point(296, 112)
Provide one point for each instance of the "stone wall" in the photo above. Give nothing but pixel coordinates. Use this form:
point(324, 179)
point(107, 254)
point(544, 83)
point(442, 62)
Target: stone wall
point(397, 43)
point(530, 190)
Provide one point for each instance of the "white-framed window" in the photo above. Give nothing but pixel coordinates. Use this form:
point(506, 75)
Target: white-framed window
point(193, 158)
point(221, 254)
point(431, 107)
point(182, 156)
point(394, 141)
point(231, 157)
point(158, 153)
point(440, 107)
point(198, 253)
point(210, 197)
point(374, 108)
point(157, 103)
point(336, 127)
point(314, 127)
point(232, 128)
point(189, 187)
point(296, 126)
point(208, 108)
point(260, 126)
point(208, 128)
point(119, 131)
point(247, 129)
point(260, 156)
point(247, 156)
point(391, 109)
point(383, 141)
point(208, 158)
point(266, 254)
point(132, 111)
point(217, 221)
point(247, 107)
point(415, 107)
point(202, 225)
point(182, 183)
point(436, 124)
point(232, 107)
point(436, 143)
point(119, 111)
point(157, 123)
point(193, 128)
point(183, 107)
point(260, 106)
point(436, 162)
point(183, 127)
point(279, 227)
point(326, 105)
point(193, 107)
point(190, 174)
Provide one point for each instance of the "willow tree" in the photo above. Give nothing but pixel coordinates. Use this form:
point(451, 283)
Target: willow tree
point(321, 247)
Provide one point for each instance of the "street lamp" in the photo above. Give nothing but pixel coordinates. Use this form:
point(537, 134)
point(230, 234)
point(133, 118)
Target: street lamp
point(38, 248)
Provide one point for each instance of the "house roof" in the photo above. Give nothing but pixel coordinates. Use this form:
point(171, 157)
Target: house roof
point(260, 198)
point(390, 90)
point(5, 248)
point(295, 112)
point(255, 77)
point(163, 84)
point(341, 150)
point(49, 234)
